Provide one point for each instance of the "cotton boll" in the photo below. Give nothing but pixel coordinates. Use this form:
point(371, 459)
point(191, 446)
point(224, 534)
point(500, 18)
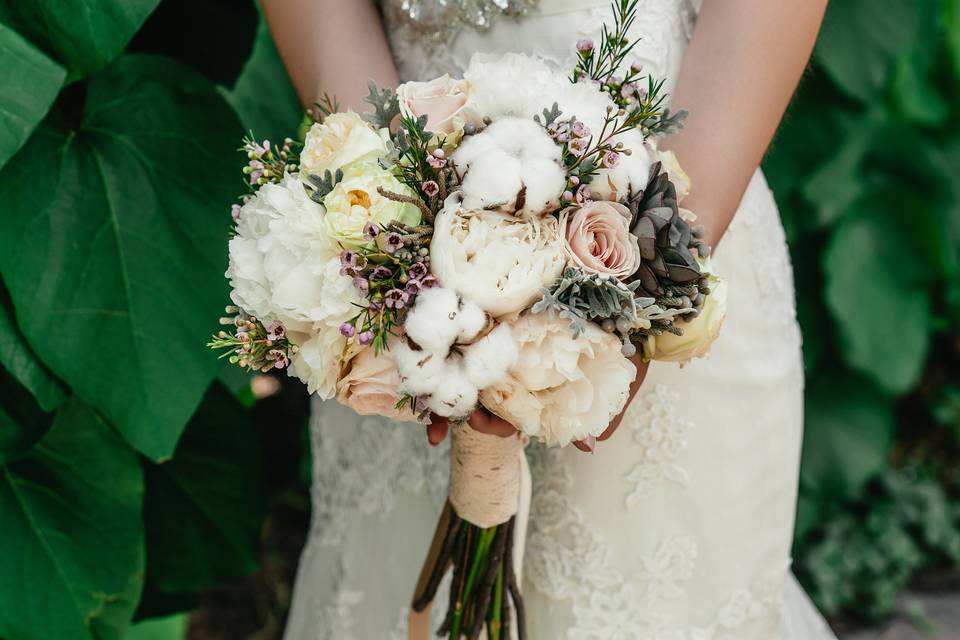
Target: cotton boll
point(544, 180)
point(486, 362)
point(472, 320)
point(432, 322)
point(492, 181)
point(421, 372)
point(523, 138)
point(512, 166)
point(456, 396)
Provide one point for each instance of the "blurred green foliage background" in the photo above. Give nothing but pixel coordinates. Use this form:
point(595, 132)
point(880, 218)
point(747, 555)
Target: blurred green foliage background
point(139, 479)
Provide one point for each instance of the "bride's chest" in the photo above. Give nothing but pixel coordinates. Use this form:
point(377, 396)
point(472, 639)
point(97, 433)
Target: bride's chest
point(432, 37)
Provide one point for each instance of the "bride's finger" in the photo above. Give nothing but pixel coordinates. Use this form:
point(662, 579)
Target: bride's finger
point(485, 422)
point(437, 429)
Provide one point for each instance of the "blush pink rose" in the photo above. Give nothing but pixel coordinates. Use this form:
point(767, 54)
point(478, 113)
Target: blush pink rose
point(445, 102)
point(369, 386)
point(597, 239)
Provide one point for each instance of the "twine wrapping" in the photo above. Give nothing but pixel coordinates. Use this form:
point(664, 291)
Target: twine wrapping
point(485, 475)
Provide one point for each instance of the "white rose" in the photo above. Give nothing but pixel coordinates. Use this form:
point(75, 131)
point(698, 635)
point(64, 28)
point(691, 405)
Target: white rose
point(446, 103)
point(700, 332)
point(341, 140)
point(513, 166)
point(561, 388)
point(493, 259)
point(676, 174)
point(355, 201)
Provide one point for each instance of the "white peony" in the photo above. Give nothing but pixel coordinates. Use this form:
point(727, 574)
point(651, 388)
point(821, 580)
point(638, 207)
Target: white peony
point(513, 166)
point(630, 175)
point(515, 84)
point(318, 360)
point(561, 388)
point(283, 266)
point(493, 259)
point(342, 139)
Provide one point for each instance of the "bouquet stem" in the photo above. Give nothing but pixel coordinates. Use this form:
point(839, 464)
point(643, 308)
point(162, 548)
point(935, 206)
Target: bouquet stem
point(475, 536)
point(484, 582)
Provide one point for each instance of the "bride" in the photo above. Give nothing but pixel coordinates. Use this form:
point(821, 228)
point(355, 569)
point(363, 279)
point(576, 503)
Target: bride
point(678, 526)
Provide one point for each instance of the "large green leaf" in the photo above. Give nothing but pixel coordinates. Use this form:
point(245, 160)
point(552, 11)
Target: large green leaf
point(29, 82)
point(861, 39)
point(113, 244)
point(84, 35)
point(20, 361)
point(875, 290)
point(848, 432)
point(263, 96)
point(204, 507)
point(72, 556)
point(22, 421)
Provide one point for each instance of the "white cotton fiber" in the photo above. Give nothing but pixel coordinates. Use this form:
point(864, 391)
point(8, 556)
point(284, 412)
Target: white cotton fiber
point(512, 166)
point(486, 362)
point(432, 322)
point(472, 319)
point(420, 371)
point(456, 397)
point(492, 181)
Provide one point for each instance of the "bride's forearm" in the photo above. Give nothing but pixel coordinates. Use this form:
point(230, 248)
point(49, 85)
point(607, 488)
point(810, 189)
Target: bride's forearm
point(737, 77)
point(326, 45)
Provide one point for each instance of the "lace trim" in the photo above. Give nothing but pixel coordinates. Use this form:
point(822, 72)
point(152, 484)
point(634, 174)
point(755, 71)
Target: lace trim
point(569, 560)
point(364, 472)
point(661, 435)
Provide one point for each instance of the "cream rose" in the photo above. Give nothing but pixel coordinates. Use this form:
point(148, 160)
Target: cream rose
point(370, 383)
point(561, 388)
point(446, 103)
point(341, 140)
point(355, 201)
point(598, 239)
point(676, 174)
point(699, 333)
point(493, 259)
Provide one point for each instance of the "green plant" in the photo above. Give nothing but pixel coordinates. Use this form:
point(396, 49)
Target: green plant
point(130, 477)
point(865, 172)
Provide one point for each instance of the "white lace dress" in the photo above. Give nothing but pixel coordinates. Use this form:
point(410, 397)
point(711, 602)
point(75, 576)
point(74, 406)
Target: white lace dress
point(677, 529)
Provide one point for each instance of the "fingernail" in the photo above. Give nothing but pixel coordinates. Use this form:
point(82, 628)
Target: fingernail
point(591, 442)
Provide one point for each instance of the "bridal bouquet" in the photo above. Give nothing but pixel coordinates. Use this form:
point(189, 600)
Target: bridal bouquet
point(506, 240)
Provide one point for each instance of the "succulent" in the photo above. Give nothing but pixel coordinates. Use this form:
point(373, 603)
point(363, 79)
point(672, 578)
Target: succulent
point(669, 271)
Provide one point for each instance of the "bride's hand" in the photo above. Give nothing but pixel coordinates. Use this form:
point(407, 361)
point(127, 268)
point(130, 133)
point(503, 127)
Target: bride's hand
point(642, 367)
point(481, 420)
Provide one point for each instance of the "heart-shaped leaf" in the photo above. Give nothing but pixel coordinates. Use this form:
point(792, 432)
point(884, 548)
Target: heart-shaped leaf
point(112, 243)
point(29, 82)
point(22, 364)
point(876, 266)
point(861, 39)
point(204, 507)
point(84, 35)
point(72, 558)
point(848, 431)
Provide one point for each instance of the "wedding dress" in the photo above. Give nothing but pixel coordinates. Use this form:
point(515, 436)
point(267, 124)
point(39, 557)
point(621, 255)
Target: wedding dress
point(680, 526)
